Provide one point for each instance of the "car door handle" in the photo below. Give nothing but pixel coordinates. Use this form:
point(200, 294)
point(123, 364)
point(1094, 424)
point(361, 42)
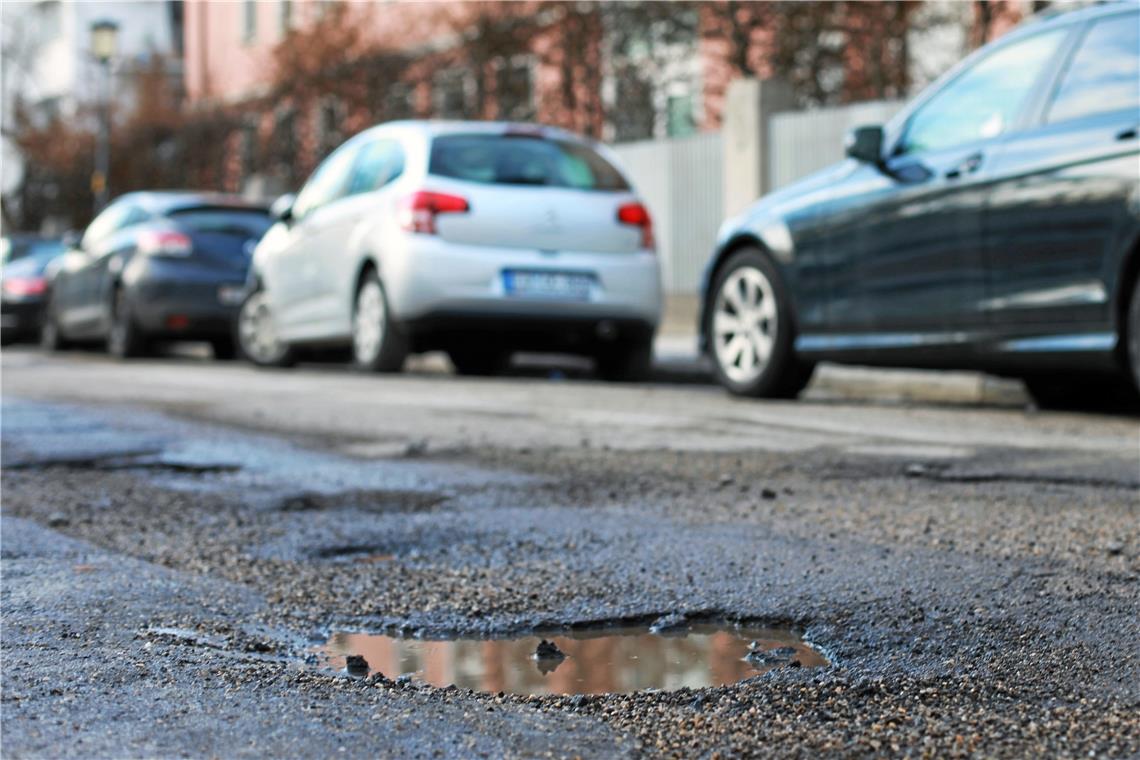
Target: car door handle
point(968, 166)
point(1128, 134)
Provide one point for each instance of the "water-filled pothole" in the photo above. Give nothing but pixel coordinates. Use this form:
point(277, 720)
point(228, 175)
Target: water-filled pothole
point(608, 660)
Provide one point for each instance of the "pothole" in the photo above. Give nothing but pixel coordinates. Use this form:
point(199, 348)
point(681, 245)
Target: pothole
point(380, 501)
point(145, 460)
point(608, 660)
point(354, 552)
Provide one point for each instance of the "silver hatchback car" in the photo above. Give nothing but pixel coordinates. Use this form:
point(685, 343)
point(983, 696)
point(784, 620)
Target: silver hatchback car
point(480, 239)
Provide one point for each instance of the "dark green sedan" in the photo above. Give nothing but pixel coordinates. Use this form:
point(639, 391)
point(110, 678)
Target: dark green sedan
point(994, 224)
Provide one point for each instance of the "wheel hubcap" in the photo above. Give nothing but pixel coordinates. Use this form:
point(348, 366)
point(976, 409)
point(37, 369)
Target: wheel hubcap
point(744, 324)
point(368, 323)
point(256, 330)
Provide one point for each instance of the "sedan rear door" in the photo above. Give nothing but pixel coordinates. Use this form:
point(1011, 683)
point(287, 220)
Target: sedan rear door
point(1060, 216)
point(908, 236)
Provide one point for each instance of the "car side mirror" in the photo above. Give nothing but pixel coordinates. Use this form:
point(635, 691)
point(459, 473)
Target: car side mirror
point(865, 144)
point(282, 208)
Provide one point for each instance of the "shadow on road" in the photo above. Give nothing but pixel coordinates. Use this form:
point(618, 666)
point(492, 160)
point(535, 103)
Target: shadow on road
point(833, 384)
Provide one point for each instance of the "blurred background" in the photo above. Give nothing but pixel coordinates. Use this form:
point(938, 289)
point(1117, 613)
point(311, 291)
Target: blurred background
point(100, 98)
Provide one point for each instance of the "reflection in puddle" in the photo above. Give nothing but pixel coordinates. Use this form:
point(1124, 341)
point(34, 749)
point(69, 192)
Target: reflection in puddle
point(598, 661)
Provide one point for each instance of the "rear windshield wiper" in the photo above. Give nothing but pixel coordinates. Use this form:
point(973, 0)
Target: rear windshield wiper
point(521, 181)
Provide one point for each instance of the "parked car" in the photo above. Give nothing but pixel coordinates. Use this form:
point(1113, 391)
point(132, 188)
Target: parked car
point(23, 284)
point(480, 239)
point(155, 266)
point(993, 224)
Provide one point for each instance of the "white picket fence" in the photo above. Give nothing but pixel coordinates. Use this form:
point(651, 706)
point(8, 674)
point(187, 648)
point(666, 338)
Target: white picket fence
point(682, 179)
point(802, 142)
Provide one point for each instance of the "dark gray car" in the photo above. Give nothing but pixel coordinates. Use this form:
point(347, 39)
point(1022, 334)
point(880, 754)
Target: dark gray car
point(155, 266)
point(23, 285)
point(993, 224)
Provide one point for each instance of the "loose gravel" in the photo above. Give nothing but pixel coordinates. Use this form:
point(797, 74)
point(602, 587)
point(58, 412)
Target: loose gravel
point(985, 604)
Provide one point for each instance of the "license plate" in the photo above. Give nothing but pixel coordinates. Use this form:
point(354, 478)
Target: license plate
point(541, 284)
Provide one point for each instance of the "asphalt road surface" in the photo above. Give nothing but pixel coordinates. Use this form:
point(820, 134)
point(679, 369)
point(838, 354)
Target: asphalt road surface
point(178, 537)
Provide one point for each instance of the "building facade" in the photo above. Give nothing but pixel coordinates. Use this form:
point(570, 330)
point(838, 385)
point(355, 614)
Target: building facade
point(49, 73)
point(302, 75)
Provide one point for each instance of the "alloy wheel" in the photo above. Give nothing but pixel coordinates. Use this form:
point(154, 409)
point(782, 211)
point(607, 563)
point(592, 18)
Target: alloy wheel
point(369, 322)
point(744, 325)
point(257, 331)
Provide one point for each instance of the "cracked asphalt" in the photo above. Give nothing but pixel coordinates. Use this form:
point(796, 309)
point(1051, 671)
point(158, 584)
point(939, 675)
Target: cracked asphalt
point(177, 535)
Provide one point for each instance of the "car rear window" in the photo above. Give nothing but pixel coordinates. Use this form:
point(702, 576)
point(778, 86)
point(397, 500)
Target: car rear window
point(28, 249)
point(246, 223)
point(522, 160)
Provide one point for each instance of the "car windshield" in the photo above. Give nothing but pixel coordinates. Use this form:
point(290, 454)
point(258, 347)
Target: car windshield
point(523, 160)
point(238, 222)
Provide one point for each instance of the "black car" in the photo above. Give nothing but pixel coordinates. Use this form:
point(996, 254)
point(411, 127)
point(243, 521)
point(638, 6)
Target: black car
point(994, 224)
point(156, 266)
point(23, 285)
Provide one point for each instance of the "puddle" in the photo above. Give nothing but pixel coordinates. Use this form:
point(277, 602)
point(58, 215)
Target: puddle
point(610, 660)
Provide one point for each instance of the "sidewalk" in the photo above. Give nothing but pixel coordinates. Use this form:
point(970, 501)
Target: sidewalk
point(676, 360)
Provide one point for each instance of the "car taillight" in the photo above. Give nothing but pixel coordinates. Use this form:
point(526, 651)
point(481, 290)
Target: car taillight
point(417, 212)
point(22, 287)
point(637, 215)
point(165, 243)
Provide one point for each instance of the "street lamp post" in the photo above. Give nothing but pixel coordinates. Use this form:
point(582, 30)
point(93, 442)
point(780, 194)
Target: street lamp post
point(104, 41)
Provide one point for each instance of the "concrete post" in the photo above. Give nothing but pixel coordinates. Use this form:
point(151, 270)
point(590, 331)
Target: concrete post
point(749, 106)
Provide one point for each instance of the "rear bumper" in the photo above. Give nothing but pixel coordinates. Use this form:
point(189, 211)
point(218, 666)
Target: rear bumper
point(184, 310)
point(585, 335)
point(20, 319)
point(433, 279)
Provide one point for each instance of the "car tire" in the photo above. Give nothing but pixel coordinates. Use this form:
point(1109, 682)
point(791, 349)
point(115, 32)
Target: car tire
point(124, 338)
point(750, 314)
point(378, 343)
point(473, 362)
point(1132, 335)
point(627, 362)
point(224, 349)
point(256, 334)
point(51, 336)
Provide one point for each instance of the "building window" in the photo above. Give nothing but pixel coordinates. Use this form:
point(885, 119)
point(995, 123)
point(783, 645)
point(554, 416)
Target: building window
point(330, 120)
point(653, 85)
point(450, 94)
point(635, 118)
point(514, 88)
point(248, 150)
point(321, 9)
point(48, 110)
point(398, 101)
point(176, 13)
point(249, 20)
point(285, 145)
point(679, 121)
point(49, 21)
point(285, 16)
